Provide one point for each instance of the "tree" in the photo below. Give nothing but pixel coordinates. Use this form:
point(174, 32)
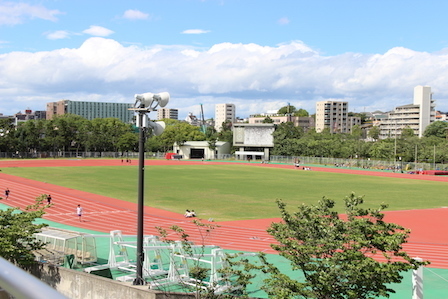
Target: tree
point(179, 132)
point(383, 149)
point(356, 132)
point(267, 120)
point(374, 132)
point(437, 129)
point(407, 132)
point(17, 227)
point(289, 109)
point(128, 142)
point(336, 255)
point(301, 113)
point(285, 136)
point(6, 134)
point(27, 136)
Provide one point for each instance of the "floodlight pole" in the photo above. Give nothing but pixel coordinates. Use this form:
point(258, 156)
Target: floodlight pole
point(144, 103)
point(141, 179)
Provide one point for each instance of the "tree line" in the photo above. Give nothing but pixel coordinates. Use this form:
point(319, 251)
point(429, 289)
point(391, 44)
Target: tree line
point(74, 133)
point(294, 141)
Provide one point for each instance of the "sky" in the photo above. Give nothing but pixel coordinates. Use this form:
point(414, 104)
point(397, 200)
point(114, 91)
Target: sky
point(257, 54)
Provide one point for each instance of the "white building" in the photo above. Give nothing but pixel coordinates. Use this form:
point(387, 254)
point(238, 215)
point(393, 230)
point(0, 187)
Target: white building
point(416, 116)
point(254, 140)
point(224, 112)
point(202, 150)
point(192, 119)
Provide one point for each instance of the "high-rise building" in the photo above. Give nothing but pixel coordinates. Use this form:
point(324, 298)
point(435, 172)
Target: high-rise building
point(332, 115)
point(416, 116)
point(167, 113)
point(224, 112)
point(91, 110)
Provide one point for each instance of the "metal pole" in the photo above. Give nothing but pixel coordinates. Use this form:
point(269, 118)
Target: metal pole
point(417, 281)
point(141, 175)
point(395, 146)
point(415, 159)
point(434, 157)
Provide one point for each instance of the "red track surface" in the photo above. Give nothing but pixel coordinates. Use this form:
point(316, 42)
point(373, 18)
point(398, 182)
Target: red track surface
point(429, 228)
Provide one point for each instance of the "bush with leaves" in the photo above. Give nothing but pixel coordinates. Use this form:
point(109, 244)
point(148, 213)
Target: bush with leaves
point(17, 228)
point(336, 255)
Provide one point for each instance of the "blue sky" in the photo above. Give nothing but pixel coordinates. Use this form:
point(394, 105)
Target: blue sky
point(258, 54)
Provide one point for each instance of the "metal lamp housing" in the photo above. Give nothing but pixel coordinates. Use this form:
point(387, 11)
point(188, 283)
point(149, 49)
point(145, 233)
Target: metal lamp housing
point(157, 127)
point(150, 100)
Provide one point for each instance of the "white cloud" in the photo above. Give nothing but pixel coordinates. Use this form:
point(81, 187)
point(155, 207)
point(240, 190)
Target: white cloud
point(133, 14)
point(283, 21)
point(59, 34)
point(255, 78)
point(13, 13)
point(98, 31)
point(195, 31)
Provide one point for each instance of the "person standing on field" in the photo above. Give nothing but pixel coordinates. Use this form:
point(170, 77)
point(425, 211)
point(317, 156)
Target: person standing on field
point(7, 193)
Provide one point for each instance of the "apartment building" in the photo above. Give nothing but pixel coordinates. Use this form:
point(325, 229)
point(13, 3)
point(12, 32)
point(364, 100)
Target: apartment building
point(416, 116)
point(167, 113)
point(224, 112)
point(332, 115)
point(306, 122)
point(91, 110)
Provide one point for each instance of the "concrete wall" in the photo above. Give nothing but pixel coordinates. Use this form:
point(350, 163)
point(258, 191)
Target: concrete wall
point(80, 285)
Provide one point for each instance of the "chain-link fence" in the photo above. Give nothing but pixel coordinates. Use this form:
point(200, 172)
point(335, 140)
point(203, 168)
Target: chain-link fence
point(321, 161)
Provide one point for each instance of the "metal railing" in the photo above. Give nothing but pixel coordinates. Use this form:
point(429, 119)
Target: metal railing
point(22, 285)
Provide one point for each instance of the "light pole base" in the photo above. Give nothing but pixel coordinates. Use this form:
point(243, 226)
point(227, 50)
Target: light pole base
point(138, 281)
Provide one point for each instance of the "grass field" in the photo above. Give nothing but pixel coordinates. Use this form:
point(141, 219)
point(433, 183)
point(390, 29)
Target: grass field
point(237, 192)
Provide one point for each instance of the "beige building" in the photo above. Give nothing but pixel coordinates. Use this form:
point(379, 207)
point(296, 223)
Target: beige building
point(163, 113)
point(305, 122)
point(416, 116)
point(333, 115)
point(224, 112)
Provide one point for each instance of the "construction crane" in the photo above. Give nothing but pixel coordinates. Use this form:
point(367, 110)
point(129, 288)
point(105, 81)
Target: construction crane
point(203, 128)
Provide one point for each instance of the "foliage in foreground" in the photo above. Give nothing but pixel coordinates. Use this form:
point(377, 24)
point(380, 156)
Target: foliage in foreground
point(16, 232)
point(236, 273)
point(336, 254)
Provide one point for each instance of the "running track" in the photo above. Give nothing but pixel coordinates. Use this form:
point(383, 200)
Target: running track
point(429, 236)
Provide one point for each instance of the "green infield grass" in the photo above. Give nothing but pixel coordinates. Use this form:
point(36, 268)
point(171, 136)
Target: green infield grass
point(237, 192)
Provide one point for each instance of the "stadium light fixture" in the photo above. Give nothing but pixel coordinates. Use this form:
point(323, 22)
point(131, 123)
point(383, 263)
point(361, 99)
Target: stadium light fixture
point(145, 103)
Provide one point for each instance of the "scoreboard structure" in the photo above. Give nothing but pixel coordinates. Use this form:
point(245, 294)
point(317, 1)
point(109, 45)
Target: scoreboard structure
point(254, 140)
